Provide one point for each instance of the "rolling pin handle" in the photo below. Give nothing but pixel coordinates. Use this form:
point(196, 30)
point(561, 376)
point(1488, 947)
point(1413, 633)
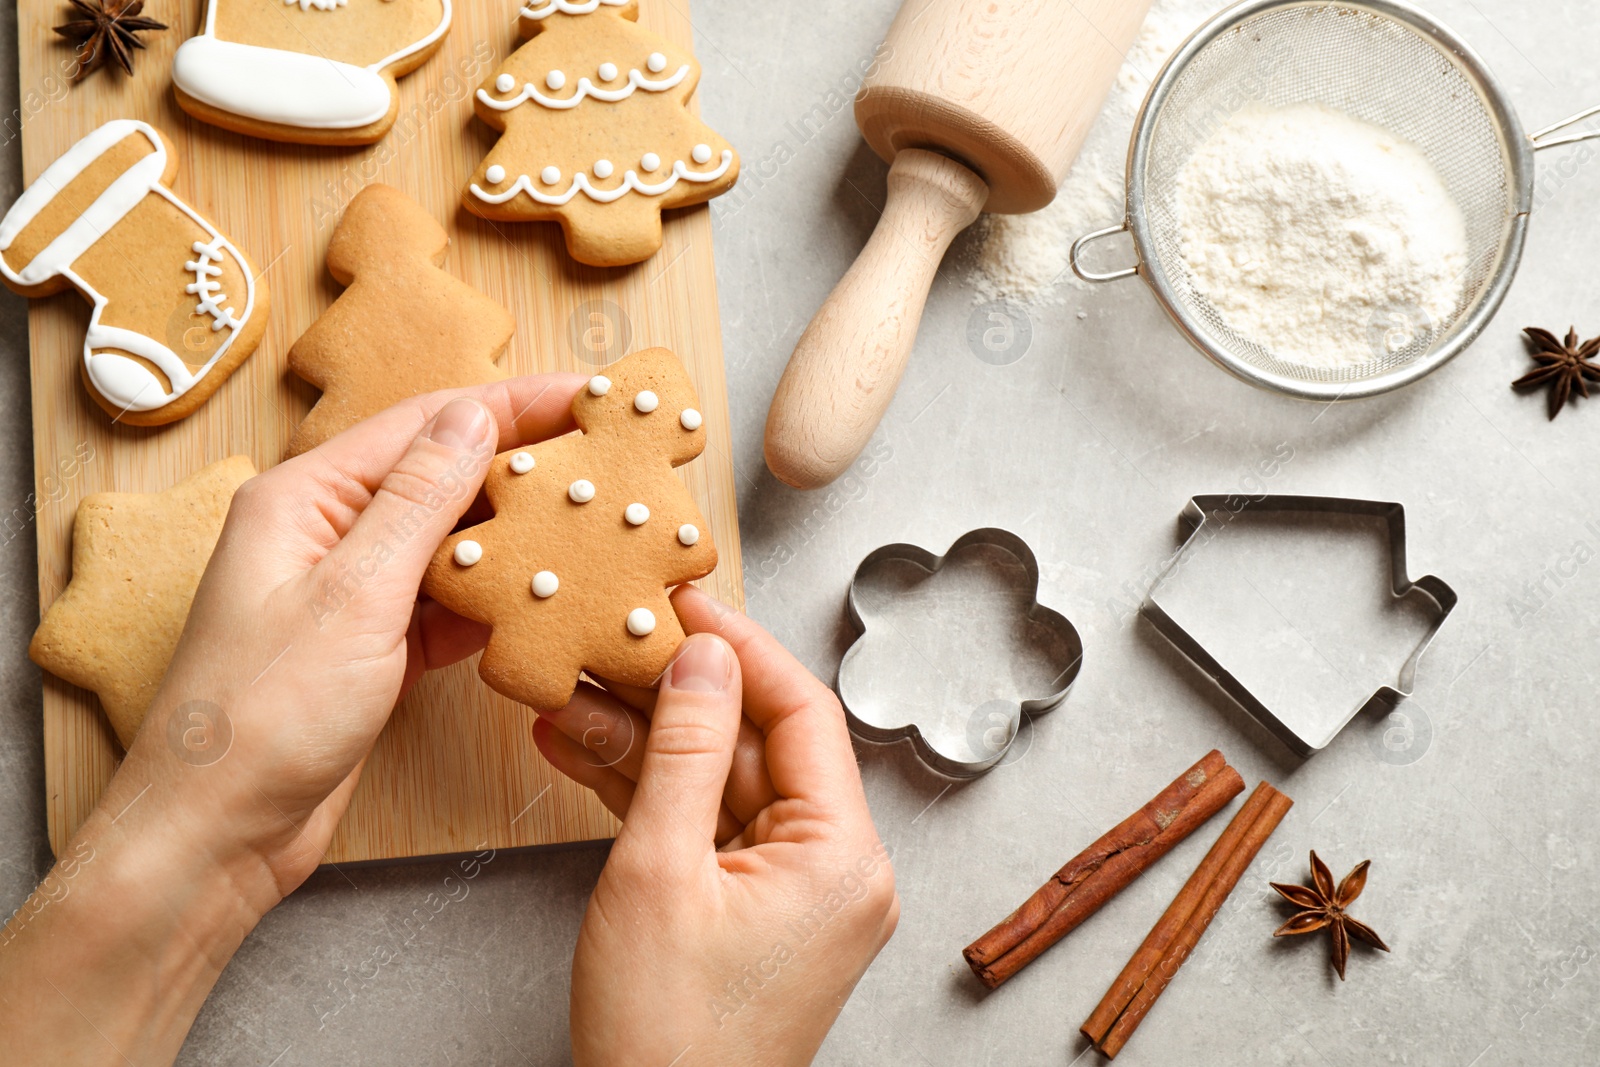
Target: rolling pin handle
point(1089, 238)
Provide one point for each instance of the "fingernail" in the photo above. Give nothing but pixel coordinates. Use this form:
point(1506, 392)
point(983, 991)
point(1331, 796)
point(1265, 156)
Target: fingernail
point(461, 424)
point(703, 665)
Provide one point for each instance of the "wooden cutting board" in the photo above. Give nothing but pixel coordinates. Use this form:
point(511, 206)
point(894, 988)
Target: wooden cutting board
point(456, 769)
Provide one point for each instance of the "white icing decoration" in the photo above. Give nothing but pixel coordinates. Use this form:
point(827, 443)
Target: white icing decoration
point(289, 88)
point(636, 514)
point(468, 553)
point(505, 83)
point(581, 491)
point(204, 270)
point(580, 183)
point(641, 622)
point(586, 88)
point(320, 5)
point(607, 72)
point(568, 7)
point(603, 168)
point(657, 62)
point(688, 534)
point(495, 174)
point(550, 175)
point(701, 154)
point(646, 401)
point(599, 385)
point(522, 462)
point(125, 382)
point(689, 419)
point(545, 583)
point(650, 162)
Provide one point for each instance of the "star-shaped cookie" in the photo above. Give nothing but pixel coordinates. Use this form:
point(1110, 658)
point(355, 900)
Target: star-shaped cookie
point(137, 559)
point(401, 328)
point(590, 532)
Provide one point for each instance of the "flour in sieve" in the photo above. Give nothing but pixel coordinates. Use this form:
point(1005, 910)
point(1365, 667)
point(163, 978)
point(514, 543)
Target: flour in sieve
point(1325, 239)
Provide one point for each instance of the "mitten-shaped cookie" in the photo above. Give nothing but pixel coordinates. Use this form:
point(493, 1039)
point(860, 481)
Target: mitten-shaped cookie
point(590, 531)
point(597, 132)
point(306, 71)
point(176, 305)
point(403, 326)
point(137, 559)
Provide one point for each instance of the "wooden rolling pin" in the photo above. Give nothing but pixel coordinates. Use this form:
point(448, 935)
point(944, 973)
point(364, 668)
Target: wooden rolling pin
point(977, 105)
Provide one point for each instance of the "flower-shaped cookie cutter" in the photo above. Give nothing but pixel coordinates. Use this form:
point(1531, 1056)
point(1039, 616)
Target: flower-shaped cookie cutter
point(952, 651)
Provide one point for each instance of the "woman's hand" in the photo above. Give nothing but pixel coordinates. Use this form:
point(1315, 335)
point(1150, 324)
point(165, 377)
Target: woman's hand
point(744, 954)
point(304, 633)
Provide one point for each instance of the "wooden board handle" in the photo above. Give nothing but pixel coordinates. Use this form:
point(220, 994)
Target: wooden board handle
point(844, 371)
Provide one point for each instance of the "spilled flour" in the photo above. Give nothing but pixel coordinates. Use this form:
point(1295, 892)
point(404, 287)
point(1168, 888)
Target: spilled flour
point(1323, 238)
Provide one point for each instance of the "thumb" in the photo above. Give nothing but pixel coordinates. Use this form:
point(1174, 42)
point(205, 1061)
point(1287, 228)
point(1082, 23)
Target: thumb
point(687, 754)
point(419, 501)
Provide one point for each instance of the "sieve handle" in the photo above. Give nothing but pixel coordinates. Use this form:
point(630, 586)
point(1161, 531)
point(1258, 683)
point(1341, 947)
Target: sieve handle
point(1083, 242)
point(1542, 139)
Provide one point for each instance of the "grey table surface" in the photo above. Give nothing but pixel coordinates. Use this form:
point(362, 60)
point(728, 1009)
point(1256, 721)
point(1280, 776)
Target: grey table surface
point(1477, 808)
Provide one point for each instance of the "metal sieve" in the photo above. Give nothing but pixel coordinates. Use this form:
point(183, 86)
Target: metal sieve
point(1381, 61)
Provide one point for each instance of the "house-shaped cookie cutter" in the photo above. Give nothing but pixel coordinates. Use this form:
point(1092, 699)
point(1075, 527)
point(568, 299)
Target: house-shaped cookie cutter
point(859, 682)
point(1193, 525)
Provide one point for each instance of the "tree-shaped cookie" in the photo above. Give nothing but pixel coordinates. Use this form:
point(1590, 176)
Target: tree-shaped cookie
point(401, 328)
point(137, 559)
point(590, 532)
point(597, 132)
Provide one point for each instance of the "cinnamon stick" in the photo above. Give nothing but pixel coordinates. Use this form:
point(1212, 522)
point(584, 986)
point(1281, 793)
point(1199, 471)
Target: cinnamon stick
point(1179, 929)
point(1102, 870)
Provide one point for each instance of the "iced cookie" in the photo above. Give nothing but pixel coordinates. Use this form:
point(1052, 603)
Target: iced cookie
point(177, 307)
point(136, 562)
point(403, 326)
point(596, 132)
point(306, 71)
point(590, 532)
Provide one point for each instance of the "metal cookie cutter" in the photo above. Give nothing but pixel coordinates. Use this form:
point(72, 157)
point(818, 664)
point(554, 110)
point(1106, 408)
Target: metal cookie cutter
point(952, 650)
point(1215, 608)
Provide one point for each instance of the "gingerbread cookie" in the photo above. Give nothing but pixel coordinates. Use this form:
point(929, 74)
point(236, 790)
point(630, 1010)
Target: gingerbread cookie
point(306, 71)
point(598, 135)
point(403, 326)
point(590, 532)
point(136, 562)
point(176, 305)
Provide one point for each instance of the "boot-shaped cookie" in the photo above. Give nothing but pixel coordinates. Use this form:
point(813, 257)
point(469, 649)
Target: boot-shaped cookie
point(176, 306)
point(598, 135)
point(306, 71)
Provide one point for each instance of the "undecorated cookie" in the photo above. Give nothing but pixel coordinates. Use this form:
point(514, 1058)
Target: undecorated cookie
point(402, 328)
point(590, 532)
point(597, 132)
point(177, 307)
point(306, 71)
point(137, 559)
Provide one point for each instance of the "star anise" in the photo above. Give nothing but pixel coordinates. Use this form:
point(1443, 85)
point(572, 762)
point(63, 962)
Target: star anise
point(1321, 905)
point(1561, 366)
point(107, 28)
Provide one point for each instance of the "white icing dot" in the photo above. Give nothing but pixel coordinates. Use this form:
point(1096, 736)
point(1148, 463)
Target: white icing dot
point(688, 533)
point(550, 175)
point(521, 462)
point(657, 62)
point(545, 583)
point(608, 72)
point(495, 174)
point(690, 419)
point(581, 491)
point(641, 622)
point(599, 385)
point(468, 552)
point(701, 153)
point(555, 79)
point(650, 161)
point(646, 401)
point(603, 168)
point(636, 514)
point(505, 83)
